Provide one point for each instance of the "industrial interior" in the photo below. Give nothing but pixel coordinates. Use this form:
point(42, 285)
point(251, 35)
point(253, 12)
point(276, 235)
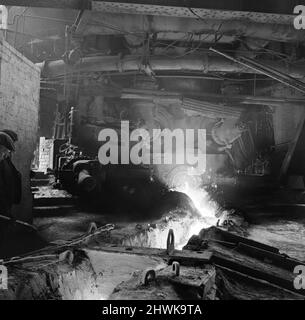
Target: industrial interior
point(74, 227)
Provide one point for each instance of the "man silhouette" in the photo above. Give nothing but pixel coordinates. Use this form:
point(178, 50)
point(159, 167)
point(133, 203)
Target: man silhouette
point(10, 178)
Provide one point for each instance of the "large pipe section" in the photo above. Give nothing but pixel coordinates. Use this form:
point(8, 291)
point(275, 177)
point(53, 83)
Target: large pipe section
point(202, 63)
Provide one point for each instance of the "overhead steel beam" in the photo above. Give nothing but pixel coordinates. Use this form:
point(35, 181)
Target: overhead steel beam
point(144, 16)
point(271, 7)
point(198, 9)
point(192, 9)
point(104, 23)
point(201, 63)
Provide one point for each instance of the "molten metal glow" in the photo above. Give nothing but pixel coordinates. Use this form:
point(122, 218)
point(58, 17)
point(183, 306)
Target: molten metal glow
point(206, 208)
point(201, 200)
point(188, 225)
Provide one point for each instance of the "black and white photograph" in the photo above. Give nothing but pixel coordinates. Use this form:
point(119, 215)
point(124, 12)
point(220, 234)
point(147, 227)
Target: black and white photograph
point(153, 151)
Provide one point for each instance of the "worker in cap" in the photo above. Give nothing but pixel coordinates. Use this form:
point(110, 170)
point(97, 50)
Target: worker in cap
point(10, 177)
point(6, 144)
point(7, 140)
point(13, 135)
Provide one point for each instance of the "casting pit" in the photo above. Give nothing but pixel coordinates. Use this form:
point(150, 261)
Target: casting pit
point(115, 268)
point(187, 212)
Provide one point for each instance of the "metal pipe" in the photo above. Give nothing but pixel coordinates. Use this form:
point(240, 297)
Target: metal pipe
point(178, 97)
point(200, 63)
point(259, 68)
point(212, 110)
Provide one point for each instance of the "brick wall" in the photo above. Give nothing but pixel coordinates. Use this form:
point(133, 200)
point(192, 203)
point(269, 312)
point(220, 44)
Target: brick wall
point(19, 107)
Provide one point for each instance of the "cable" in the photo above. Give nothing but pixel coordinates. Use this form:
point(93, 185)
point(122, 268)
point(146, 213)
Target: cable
point(189, 52)
point(25, 224)
point(195, 14)
point(66, 244)
point(174, 42)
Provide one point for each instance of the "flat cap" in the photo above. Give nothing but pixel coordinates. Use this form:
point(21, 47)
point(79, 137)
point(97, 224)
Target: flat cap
point(6, 141)
point(13, 135)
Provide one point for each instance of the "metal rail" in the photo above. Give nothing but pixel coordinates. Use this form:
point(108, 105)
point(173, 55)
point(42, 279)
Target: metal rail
point(267, 71)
